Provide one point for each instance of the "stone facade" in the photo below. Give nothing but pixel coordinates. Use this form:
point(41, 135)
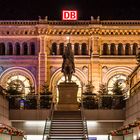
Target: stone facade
point(34, 49)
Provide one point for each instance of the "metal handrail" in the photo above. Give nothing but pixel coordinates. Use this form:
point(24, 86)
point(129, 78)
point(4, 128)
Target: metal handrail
point(44, 129)
point(83, 119)
point(51, 118)
point(48, 120)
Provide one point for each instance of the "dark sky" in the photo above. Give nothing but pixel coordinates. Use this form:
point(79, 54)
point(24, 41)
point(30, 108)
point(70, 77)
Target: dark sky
point(106, 9)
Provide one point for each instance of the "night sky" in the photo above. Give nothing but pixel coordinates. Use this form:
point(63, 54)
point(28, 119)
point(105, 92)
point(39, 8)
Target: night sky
point(106, 9)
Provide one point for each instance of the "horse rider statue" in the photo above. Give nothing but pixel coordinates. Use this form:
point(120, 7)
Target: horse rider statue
point(68, 66)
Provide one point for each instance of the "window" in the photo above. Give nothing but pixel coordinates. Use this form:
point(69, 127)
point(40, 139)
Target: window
point(135, 47)
point(61, 48)
point(10, 49)
point(121, 78)
point(17, 49)
point(76, 48)
point(120, 49)
point(2, 49)
point(105, 49)
point(84, 49)
point(54, 49)
point(127, 49)
point(25, 49)
point(112, 49)
point(20, 83)
point(32, 48)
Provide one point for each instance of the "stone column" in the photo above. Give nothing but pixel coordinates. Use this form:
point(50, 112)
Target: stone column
point(123, 53)
point(72, 46)
point(116, 48)
point(6, 48)
point(80, 49)
point(14, 50)
point(109, 46)
point(131, 49)
point(58, 49)
point(29, 49)
point(21, 48)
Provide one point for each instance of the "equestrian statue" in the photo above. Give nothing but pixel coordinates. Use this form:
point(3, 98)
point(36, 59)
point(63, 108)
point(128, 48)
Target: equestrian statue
point(68, 66)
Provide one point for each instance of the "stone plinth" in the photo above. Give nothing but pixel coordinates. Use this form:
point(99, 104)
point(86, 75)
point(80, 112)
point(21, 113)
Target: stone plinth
point(67, 96)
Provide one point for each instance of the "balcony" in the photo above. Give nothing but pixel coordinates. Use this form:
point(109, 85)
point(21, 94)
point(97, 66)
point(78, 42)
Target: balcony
point(38, 107)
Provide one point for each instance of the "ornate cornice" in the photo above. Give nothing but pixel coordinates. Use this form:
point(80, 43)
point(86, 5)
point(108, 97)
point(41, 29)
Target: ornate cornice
point(79, 28)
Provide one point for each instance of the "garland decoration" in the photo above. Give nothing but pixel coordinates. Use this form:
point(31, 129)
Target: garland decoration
point(5, 129)
point(125, 129)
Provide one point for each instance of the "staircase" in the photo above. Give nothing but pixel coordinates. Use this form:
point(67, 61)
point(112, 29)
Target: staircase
point(67, 125)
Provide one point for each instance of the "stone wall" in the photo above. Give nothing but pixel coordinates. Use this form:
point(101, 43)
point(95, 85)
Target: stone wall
point(4, 111)
point(4, 116)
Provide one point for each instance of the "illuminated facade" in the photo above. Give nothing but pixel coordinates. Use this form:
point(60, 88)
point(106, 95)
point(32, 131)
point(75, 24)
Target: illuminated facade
point(31, 54)
point(33, 50)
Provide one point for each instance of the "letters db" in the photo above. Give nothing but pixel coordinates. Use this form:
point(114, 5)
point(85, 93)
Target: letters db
point(69, 15)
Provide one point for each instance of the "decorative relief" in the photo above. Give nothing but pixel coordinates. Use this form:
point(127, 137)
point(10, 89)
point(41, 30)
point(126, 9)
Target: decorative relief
point(52, 69)
point(85, 70)
point(104, 69)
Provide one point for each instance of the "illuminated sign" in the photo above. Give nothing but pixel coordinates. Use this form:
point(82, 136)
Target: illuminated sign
point(69, 15)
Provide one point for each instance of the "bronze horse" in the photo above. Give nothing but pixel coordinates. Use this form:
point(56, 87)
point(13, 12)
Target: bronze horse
point(68, 67)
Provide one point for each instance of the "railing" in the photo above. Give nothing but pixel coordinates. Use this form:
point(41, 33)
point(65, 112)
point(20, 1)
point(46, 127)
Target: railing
point(103, 101)
point(85, 131)
point(30, 102)
point(47, 127)
point(88, 101)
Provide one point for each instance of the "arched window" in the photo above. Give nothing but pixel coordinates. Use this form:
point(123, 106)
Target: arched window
point(54, 49)
point(84, 49)
point(105, 49)
point(76, 48)
point(120, 49)
point(32, 48)
point(127, 49)
point(120, 79)
point(19, 82)
point(25, 48)
point(135, 47)
point(112, 49)
point(10, 49)
point(17, 49)
point(69, 44)
point(2, 49)
point(61, 48)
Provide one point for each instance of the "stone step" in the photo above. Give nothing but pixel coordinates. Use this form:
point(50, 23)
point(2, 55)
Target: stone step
point(68, 129)
point(67, 138)
point(72, 120)
point(66, 132)
point(67, 135)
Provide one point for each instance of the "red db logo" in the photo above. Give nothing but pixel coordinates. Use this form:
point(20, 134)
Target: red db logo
point(69, 15)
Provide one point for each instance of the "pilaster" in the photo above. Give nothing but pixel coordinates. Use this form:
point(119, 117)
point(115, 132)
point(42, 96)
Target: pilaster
point(42, 62)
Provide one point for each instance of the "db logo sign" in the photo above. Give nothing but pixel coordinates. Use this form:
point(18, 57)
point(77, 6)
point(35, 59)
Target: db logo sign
point(69, 15)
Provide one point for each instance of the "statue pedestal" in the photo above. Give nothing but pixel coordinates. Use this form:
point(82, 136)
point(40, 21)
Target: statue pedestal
point(67, 96)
